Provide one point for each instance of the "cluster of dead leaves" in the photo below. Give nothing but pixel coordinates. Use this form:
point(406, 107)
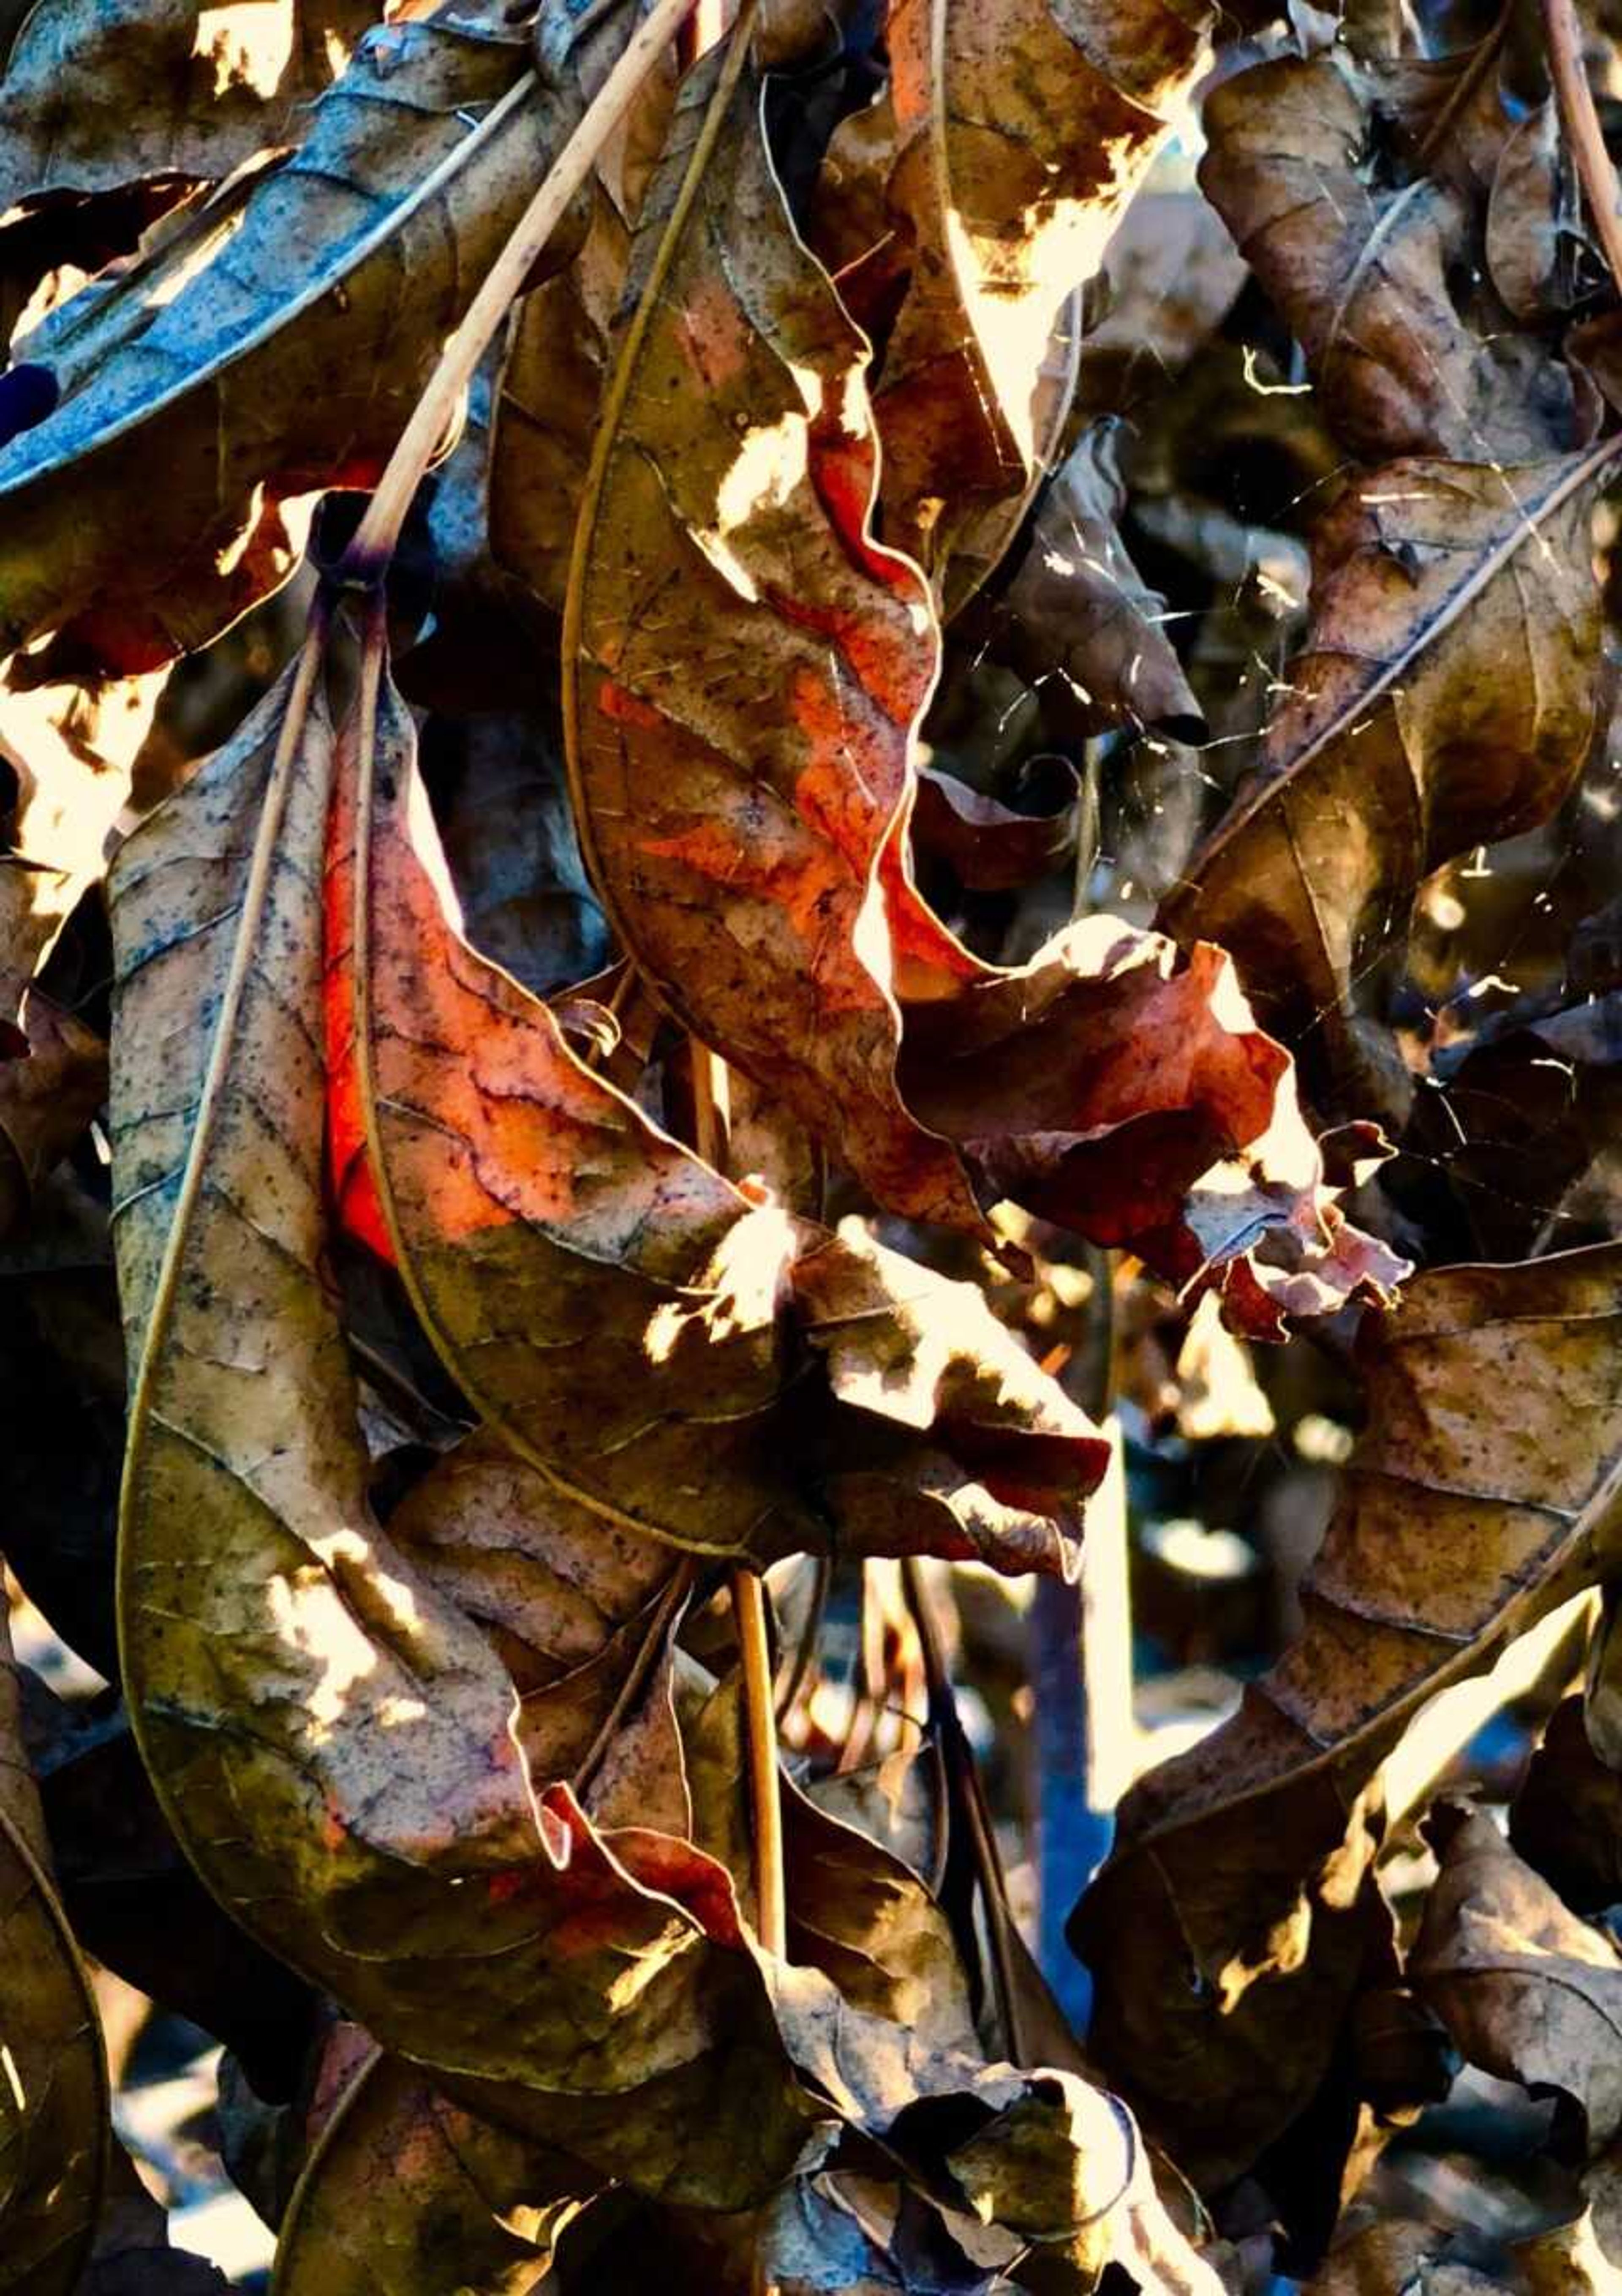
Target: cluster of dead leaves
point(588, 906)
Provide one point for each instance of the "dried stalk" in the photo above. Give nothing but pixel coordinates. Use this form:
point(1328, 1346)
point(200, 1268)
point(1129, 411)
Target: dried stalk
point(711, 1115)
point(709, 1124)
point(379, 530)
point(1563, 36)
point(766, 1804)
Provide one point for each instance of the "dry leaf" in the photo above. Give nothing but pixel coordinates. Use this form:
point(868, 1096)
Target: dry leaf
point(290, 359)
point(750, 855)
point(407, 2194)
point(1566, 1819)
point(1526, 1990)
point(625, 1317)
point(991, 846)
point(744, 666)
point(503, 812)
point(580, 1612)
point(97, 97)
point(1080, 612)
point(1236, 1917)
point(51, 1085)
point(1534, 221)
point(1362, 276)
point(53, 2125)
point(1111, 1089)
point(1020, 132)
point(378, 1823)
point(1447, 696)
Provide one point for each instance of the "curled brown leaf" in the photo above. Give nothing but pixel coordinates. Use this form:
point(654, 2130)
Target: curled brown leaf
point(1237, 1916)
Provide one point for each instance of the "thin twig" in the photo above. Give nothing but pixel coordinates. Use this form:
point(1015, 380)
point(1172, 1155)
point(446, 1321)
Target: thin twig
point(379, 530)
point(963, 1773)
point(1563, 35)
point(667, 1602)
point(710, 1099)
point(810, 1633)
point(1483, 56)
point(712, 1104)
point(771, 1904)
point(711, 1115)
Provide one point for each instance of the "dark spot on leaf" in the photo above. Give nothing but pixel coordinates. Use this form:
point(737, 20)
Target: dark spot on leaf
point(28, 394)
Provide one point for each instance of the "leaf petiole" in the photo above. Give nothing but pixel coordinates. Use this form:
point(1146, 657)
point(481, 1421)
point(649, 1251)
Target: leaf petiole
point(374, 539)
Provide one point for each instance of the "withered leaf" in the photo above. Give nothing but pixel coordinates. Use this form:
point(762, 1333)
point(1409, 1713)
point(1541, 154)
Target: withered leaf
point(989, 846)
point(606, 1301)
point(749, 851)
point(545, 409)
point(1534, 221)
point(953, 1442)
point(1021, 129)
point(290, 359)
point(1172, 273)
point(510, 845)
point(623, 1316)
point(1447, 696)
point(1527, 1990)
point(816, 2240)
point(1362, 275)
point(580, 1612)
point(856, 1910)
point(378, 1823)
point(407, 2195)
point(95, 97)
point(1566, 1819)
point(1235, 1921)
point(1113, 1089)
point(743, 667)
point(54, 2101)
point(1080, 612)
point(51, 1085)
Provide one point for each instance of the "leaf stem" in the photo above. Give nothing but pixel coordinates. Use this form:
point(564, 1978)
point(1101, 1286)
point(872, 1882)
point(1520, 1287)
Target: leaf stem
point(1563, 33)
point(712, 1104)
point(667, 1605)
point(379, 530)
point(968, 1794)
point(748, 1606)
point(709, 1125)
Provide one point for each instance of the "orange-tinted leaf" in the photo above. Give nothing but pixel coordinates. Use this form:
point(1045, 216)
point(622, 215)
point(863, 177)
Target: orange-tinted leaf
point(1115, 1090)
point(745, 666)
point(1021, 129)
point(752, 854)
point(623, 1317)
point(377, 1823)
